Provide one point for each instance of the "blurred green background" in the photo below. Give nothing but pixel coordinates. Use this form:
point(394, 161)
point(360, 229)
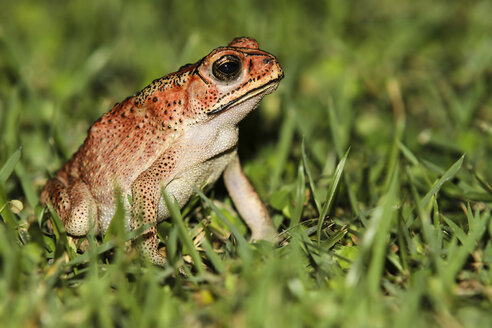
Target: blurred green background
point(405, 84)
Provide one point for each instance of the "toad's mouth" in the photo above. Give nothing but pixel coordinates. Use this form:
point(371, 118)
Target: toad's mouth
point(265, 89)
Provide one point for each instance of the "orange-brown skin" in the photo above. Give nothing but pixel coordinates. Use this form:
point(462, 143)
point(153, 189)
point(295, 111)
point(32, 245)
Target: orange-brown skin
point(178, 132)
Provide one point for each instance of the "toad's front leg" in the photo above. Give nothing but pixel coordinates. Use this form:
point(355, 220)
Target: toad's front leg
point(146, 193)
point(248, 203)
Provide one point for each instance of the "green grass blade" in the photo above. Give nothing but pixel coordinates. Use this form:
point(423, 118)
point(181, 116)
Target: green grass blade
point(300, 196)
point(88, 256)
point(393, 89)
point(335, 238)
point(27, 185)
point(62, 244)
point(243, 246)
point(407, 153)
point(448, 175)
point(335, 127)
point(284, 147)
point(5, 211)
point(9, 165)
point(379, 227)
point(330, 196)
point(460, 234)
point(314, 191)
point(336, 133)
point(426, 225)
point(485, 185)
point(212, 256)
point(436, 217)
point(402, 244)
point(117, 225)
point(175, 213)
point(477, 229)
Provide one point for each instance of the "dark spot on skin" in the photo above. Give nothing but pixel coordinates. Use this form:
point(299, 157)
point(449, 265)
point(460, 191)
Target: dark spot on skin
point(154, 99)
point(165, 112)
point(132, 110)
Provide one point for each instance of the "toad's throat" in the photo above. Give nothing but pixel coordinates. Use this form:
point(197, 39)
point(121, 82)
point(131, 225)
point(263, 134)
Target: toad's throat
point(252, 93)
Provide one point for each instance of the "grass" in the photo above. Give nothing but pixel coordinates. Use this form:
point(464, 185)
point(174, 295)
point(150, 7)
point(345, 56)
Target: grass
point(373, 158)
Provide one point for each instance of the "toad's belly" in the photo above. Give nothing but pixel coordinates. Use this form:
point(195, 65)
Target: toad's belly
point(180, 187)
point(203, 174)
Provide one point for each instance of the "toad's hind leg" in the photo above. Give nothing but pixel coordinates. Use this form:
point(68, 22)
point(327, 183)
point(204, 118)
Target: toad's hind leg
point(146, 194)
point(73, 203)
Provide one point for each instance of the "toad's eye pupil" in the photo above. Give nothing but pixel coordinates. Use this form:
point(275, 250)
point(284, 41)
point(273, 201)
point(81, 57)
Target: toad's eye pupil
point(226, 68)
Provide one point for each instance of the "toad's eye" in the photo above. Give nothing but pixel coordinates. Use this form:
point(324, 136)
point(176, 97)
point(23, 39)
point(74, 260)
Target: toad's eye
point(226, 68)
